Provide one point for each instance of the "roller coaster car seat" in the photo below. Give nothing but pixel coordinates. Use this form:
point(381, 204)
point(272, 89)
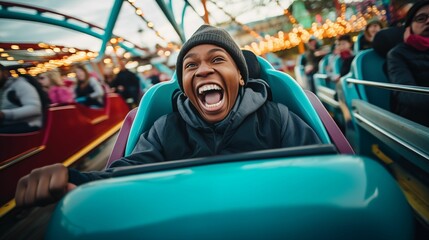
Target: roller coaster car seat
point(157, 101)
point(386, 39)
point(356, 46)
point(370, 66)
point(323, 63)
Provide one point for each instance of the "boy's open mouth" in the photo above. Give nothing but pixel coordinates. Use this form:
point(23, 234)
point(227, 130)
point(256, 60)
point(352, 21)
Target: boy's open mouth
point(210, 96)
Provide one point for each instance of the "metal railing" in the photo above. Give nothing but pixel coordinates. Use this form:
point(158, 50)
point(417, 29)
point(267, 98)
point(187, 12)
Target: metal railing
point(390, 86)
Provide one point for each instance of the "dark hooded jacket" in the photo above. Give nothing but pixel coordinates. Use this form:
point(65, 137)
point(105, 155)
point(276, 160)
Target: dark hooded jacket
point(254, 123)
point(409, 66)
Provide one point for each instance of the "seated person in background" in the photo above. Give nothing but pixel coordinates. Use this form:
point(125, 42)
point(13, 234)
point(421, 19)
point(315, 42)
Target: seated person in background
point(154, 76)
point(332, 58)
point(44, 97)
point(345, 48)
point(399, 11)
point(408, 64)
point(88, 90)
point(373, 27)
point(108, 75)
point(313, 55)
point(20, 104)
point(54, 85)
point(127, 84)
point(220, 111)
point(388, 38)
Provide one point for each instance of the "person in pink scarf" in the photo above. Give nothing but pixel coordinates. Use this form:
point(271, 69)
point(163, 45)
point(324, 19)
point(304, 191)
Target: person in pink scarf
point(55, 87)
point(408, 64)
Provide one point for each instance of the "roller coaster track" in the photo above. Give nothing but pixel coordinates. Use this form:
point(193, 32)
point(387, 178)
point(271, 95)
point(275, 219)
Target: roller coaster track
point(35, 14)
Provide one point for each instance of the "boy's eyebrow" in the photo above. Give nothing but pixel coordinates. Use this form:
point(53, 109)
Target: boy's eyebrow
point(188, 55)
point(216, 50)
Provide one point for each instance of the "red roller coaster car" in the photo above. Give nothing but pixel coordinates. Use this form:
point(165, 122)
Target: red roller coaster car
point(70, 132)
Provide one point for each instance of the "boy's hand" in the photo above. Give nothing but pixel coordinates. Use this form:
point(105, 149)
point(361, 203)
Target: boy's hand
point(43, 186)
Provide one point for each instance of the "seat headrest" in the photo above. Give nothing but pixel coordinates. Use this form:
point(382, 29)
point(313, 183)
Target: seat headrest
point(252, 64)
point(387, 39)
point(255, 70)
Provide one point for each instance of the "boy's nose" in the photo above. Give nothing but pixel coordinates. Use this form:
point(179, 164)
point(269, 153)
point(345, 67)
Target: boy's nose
point(204, 70)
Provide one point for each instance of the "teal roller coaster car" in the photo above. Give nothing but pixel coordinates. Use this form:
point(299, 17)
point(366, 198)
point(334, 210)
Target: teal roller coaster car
point(310, 192)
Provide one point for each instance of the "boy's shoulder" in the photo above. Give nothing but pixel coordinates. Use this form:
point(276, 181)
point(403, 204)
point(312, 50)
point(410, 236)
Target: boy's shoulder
point(169, 118)
point(280, 106)
point(273, 110)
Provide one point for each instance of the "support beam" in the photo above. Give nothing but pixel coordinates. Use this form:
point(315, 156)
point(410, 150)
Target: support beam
point(170, 16)
point(4, 13)
point(188, 4)
point(38, 15)
point(182, 23)
point(206, 12)
point(108, 31)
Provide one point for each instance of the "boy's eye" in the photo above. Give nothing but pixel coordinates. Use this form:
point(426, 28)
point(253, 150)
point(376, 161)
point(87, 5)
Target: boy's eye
point(190, 65)
point(217, 59)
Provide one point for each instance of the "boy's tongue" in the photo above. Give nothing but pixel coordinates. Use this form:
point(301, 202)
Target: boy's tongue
point(212, 97)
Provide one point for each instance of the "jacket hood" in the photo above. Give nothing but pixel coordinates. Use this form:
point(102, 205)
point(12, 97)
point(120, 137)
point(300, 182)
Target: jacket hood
point(250, 98)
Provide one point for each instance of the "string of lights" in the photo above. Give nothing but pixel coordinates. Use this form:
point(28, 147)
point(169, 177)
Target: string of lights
point(328, 29)
point(233, 18)
point(53, 56)
point(149, 24)
point(286, 12)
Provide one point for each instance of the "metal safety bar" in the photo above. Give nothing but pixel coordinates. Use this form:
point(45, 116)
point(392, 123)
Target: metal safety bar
point(390, 86)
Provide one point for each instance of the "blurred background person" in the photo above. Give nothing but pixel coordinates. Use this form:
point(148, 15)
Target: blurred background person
point(55, 87)
point(20, 104)
point(400, 9)
point(108, 75)
point(313, 55)
point(127, 84)
point(88, 90)
point(388, 38)
point(345, 48)
point(154, 76)
point(371, 29)
point(331, 71)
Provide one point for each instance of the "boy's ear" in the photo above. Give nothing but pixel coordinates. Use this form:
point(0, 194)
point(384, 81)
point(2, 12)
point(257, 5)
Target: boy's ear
point(241, 80)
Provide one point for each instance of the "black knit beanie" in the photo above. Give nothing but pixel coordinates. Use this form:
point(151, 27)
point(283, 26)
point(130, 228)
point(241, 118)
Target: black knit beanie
point(207, 34)
point(413, 10)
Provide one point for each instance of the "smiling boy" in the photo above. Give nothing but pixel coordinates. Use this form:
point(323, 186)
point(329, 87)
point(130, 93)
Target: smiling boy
point(219, 113)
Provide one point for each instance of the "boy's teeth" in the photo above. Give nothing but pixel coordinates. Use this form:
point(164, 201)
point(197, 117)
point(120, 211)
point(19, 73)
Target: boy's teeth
point(208, 87)
point(213, 105)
